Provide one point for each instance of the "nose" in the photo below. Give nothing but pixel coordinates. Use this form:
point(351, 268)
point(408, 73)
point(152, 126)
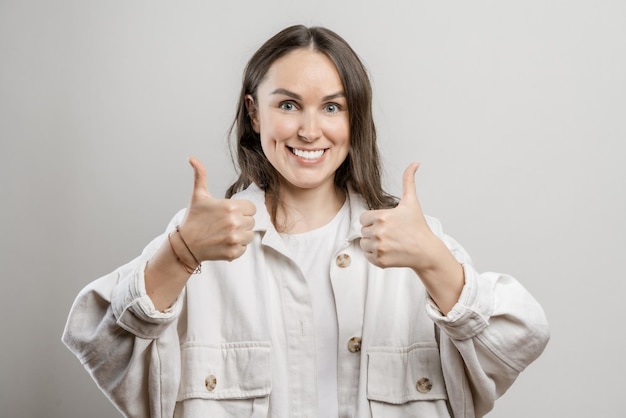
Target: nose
point(310, 129)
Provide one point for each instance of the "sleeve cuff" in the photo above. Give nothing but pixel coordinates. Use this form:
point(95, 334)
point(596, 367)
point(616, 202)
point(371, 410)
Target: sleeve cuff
point(134, 310)
point(470, 315)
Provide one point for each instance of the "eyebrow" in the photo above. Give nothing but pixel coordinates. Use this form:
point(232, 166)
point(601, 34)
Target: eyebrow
point(298, 97)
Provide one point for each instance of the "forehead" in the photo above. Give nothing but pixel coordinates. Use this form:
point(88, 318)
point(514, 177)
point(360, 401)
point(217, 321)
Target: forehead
point(303, 69)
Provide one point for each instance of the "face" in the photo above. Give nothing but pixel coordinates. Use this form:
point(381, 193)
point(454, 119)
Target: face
point(301, 115)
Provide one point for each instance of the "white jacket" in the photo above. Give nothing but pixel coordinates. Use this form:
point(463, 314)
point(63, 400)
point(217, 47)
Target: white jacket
point(211, 354)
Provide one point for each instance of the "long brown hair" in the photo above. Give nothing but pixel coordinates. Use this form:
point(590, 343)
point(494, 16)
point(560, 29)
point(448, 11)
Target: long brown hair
point(361, 168)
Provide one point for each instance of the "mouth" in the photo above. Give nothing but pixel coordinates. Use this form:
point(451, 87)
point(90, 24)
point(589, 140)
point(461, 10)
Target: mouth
point(306, 154)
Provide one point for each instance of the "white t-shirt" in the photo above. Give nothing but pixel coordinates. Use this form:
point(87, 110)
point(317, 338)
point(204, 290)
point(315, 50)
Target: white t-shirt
point(313, 251)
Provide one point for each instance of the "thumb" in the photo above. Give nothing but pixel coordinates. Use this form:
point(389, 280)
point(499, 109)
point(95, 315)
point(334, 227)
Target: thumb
point(199, 177)
point(408, 183)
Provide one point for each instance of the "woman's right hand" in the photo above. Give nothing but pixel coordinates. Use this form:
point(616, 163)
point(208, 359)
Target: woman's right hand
point(214, 228)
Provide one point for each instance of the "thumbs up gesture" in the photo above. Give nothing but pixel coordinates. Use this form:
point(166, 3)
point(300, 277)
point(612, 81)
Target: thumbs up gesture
point(214, 228)
point(400, 237)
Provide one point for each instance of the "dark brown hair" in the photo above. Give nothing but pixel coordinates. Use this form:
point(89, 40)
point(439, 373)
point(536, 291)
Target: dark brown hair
point(361, 168)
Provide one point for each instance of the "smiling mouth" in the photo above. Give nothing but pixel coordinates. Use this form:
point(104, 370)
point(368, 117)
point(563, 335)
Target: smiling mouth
point(307, 155)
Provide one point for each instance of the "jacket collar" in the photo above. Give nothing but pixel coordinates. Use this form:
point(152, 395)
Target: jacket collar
point(263, 222)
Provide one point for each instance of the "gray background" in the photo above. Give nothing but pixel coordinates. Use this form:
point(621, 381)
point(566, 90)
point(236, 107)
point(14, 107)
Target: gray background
point(516, 111)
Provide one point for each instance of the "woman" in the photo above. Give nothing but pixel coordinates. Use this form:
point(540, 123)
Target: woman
point(309, 291)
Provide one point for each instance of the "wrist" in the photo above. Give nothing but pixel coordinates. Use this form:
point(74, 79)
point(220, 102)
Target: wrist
point(183, 254)
point(430, 255)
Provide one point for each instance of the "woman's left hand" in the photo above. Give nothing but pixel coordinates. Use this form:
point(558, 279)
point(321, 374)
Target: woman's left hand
point(400, 237)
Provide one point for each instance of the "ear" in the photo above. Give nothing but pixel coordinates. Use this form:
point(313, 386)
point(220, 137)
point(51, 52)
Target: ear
point(252, 112)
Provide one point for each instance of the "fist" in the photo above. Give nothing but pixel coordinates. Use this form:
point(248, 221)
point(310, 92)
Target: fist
point(214, 228)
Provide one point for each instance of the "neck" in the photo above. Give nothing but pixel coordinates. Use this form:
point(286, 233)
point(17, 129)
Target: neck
point(303, 210)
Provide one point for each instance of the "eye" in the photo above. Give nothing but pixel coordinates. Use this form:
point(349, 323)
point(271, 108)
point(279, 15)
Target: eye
point(332, 108)
point(287, 106)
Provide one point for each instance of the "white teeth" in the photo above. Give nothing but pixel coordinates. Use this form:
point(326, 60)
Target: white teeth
point(308, 155)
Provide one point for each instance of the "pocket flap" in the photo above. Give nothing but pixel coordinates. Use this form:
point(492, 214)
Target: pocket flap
point(401, 374)
point(226, 371)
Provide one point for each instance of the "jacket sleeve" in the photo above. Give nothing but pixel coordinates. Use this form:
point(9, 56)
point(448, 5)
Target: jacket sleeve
point(490, 336)
point(129, 348)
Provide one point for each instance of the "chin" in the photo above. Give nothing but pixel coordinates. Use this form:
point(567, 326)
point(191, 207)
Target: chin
point(305, 184)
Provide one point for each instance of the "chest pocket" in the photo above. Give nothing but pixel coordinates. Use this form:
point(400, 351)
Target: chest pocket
point(406, 382)
point(231, 379)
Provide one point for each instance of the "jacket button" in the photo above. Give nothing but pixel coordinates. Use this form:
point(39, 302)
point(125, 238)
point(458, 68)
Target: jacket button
point(424, 385)
point(354, 345)
point(343, 260)
point(210, 382)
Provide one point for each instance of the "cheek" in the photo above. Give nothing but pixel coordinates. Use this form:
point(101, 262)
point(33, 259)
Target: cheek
point(278, 127)
point(340, 132)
